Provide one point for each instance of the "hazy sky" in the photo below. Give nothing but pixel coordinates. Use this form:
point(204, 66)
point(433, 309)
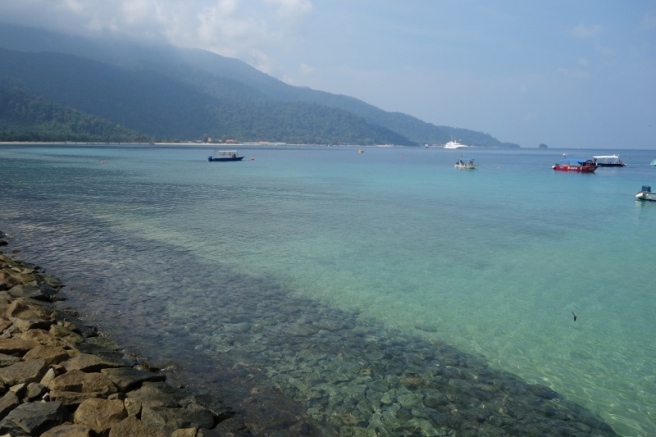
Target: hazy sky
point(575, 73)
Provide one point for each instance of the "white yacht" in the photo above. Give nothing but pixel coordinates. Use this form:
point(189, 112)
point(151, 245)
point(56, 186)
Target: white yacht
point(453, 144)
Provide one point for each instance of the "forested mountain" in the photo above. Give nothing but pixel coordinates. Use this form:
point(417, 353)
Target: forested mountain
point(173, 93)
point(28, 117)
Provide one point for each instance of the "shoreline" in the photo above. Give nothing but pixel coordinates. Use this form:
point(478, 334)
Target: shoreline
point(61, 377)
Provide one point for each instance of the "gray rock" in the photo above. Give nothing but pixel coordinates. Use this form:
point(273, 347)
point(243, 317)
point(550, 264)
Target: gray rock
point(68, 430)
point(133, 427)
point(90, 363)
point(23, 371)
point(44, 293)
point(33, 418)
point(7, 403)
point(126, 378)
point(175, 418)
point(154, 395)
point(8, 360)
point(34, 391)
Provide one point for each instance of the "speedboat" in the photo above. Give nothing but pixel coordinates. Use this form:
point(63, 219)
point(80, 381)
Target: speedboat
point(465, 164)
point(608, 161)
point(646, 194)
point(579, 165)
point(453, 144)
point(224, 155)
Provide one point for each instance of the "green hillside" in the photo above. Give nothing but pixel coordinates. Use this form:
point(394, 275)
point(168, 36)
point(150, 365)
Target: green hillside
point(174, 93)
point(167, 108)
point(27, 117)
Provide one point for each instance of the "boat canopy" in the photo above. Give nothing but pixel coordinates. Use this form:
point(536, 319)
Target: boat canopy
point(573, 160)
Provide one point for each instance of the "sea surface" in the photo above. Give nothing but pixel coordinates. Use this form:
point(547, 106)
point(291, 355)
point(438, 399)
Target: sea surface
point(272, 271)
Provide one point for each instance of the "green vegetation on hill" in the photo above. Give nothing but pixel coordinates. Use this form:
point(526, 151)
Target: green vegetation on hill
point(170, 93)
point(26, 117)
point(158, 105)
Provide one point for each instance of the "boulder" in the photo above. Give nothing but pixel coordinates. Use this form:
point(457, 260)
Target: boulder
point(154, 395)
point(90, 363)
point(23, 372)
point(16, 346)
point(100, 414)
point(133, 427)
point(127, 378)
point(171, 419)
point(7, 403)
point(33, 418)
point(75, 386)
point(68, 430)
point(51, 354)
point(28, 291)
point(43, 337)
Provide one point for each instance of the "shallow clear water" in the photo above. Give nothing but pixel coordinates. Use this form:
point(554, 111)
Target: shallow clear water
point(492, 261)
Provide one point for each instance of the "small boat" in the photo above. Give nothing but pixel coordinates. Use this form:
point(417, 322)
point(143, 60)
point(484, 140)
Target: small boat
point(465, 164)
point(453, 144)
point(653, 163)
point(646, 194)
point(579, 165)
point(608, 161)
point(224, 155)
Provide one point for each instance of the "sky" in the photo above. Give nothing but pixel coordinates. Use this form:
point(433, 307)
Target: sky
point(566, 73)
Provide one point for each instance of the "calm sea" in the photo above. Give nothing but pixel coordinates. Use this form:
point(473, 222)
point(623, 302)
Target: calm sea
point(267, 271)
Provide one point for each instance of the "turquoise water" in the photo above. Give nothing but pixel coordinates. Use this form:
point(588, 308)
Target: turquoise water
point(492, 261)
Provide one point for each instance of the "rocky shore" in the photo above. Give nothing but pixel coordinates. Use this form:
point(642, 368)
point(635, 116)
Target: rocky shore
point(59, 377)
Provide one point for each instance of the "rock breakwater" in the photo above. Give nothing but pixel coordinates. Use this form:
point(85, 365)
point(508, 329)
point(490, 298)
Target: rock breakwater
point(59, 377)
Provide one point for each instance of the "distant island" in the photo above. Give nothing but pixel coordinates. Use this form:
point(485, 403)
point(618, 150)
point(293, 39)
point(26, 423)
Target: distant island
point(56, 87)
point(542, 146)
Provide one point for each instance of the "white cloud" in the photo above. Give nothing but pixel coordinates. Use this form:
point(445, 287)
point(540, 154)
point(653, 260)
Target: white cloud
point(238, 28)
point(585, 32)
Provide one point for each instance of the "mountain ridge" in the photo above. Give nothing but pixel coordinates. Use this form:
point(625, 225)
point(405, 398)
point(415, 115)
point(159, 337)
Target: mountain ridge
point(210, 90)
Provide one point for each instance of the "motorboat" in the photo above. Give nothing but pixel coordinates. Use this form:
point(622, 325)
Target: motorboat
point(646, 194)
point(653, 163)
point(453, 144)
point(608, 161)
point(465, 164)
point(224, 155)
point(579, 165)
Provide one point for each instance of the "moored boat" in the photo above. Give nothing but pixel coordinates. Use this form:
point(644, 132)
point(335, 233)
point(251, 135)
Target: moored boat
point(579, 165)
point(608, 161)
point(453, 144)
point(224, 155)
point(465, 164)
point(646, 194)
point(653, 163)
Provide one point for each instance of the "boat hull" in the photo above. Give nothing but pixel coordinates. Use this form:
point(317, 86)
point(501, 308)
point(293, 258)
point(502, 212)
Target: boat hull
point(586, 169)
point(619, 164)
point(211, 159)
point(646, 196)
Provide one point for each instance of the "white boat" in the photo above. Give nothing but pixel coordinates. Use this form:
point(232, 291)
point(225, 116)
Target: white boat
point(465, 164)
point(653, 163)
point(453, 144)
point(608, 161)
point(646, 194)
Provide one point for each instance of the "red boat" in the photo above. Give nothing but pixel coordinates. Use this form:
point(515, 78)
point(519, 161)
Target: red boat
point(575, 164)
